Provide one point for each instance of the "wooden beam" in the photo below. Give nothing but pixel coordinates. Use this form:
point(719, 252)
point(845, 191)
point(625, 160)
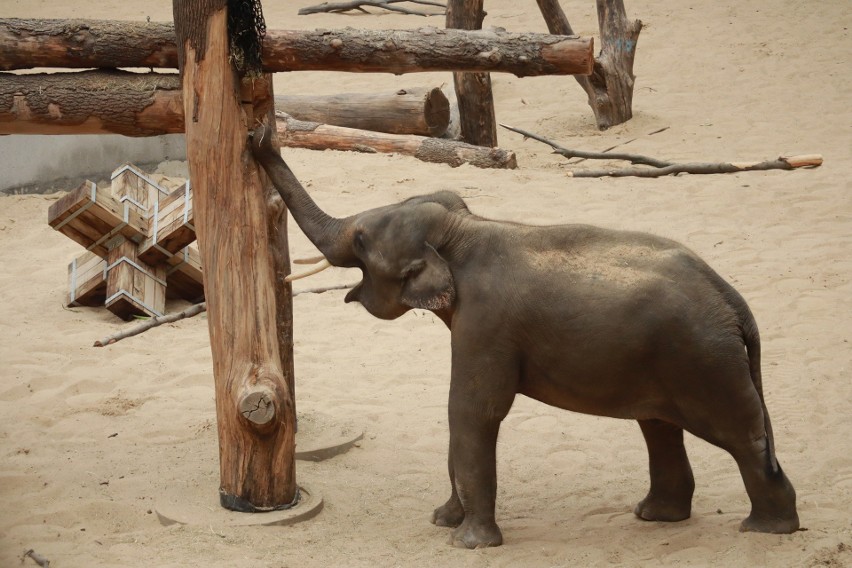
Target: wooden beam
point(115, 102)
point(164, 115)
point(27, 44)
point(473, 90)
point(254, 404)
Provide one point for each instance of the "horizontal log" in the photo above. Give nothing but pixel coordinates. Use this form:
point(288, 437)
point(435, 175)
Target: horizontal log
point(91, 102)
point(300, 134)
point(150, 104)
point(27, 44)
point(421, 111)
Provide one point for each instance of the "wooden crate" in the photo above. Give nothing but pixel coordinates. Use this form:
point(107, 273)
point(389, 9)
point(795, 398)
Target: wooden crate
point(87, 281)
point(170, 226)
point(91, 217)
point(130, 184)
point(184, 275)
point(135, 287)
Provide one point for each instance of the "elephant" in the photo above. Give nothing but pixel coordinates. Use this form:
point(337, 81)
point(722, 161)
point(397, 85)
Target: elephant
point(592, 320)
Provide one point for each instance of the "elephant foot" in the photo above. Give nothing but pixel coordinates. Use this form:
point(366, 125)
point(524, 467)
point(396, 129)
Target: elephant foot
point(472, 534)
point(664, 510)
point(772, 525)
point(450, 514)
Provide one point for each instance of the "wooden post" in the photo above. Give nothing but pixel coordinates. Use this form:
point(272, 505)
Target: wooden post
point(473, 90)
point(610, 86)
point(254, 405)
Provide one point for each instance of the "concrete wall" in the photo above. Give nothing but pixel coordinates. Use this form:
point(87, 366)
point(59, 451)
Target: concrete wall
point(39, 164)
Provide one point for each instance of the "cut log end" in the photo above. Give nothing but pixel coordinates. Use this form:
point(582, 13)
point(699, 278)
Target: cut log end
point(803, 161)
point(258, 406)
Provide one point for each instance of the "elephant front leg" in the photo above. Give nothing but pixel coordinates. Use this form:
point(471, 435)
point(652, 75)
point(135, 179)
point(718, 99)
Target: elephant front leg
point(473, 441)
point(451, 513)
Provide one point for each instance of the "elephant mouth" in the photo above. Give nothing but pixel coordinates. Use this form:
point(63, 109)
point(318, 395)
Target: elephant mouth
point(354, 294)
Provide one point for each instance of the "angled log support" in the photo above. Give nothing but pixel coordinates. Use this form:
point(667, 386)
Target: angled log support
point(251, 357)
point(610, 85)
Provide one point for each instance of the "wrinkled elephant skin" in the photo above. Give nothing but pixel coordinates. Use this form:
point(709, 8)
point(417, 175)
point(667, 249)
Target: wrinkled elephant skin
point(604, 322)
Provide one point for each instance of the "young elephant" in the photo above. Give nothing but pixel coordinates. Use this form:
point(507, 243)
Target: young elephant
point(604, 322)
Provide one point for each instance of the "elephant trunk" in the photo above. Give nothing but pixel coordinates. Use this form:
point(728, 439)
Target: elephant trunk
point(327, 233)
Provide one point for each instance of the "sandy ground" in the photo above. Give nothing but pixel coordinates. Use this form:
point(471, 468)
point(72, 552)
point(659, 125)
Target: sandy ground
point(90, 439)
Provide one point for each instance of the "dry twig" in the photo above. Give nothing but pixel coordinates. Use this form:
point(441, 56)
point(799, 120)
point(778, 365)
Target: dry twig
point(663, 167)
point(386, 4)
point(191, 311)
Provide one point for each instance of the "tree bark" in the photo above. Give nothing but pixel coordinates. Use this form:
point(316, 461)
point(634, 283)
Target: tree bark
point(151, 104)
point(299, 134)
point(254, 406)
point(91, 102)
point(473, 90)
point(26, 44)
point(424, 112)
point(610, 86)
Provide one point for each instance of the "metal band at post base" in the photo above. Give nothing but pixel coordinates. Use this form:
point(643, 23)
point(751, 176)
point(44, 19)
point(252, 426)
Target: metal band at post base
point(235, 503)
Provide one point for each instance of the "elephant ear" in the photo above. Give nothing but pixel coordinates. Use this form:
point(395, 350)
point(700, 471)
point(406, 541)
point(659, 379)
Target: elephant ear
point(429, 284)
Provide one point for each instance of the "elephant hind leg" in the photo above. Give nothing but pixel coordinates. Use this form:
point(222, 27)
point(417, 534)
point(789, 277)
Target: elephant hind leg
point(773, 499)
point(743, 434)
point(672, 483)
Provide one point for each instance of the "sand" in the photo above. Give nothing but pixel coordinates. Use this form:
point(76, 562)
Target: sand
point(91, 438)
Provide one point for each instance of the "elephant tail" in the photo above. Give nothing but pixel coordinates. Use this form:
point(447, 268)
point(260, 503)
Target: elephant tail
point(751, 337)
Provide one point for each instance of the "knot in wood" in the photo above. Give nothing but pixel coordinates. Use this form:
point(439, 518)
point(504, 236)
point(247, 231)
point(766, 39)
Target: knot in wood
point(258, 406)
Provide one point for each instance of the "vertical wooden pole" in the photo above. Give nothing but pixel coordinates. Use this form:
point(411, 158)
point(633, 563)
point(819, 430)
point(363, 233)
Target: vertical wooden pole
point(473, 90)
point(242, 259)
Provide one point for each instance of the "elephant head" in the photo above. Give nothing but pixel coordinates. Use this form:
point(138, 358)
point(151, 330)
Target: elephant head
point(398, 247)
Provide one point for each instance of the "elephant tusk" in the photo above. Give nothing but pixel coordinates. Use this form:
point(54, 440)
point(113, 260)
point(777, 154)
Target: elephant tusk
point(310, 260)
point(318, 268)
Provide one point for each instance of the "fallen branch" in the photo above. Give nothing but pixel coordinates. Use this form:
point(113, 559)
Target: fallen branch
point(191, 311)
point(782, 163)
point(386, 4)
point(37, 558)
point(661, 168)
point(568, 153)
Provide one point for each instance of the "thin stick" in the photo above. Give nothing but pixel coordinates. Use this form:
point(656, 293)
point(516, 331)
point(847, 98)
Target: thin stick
point(557, 149)
point(665, 168)
point(386, 4)
point(782, 163)
point(191, 311)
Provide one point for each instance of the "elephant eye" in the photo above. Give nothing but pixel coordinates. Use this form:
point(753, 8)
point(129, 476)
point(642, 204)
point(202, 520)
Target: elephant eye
point(359, 242)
